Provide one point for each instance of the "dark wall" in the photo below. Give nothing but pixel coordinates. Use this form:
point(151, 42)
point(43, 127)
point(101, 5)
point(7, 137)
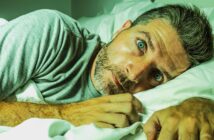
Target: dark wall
point(91, 7)
point(10, 9)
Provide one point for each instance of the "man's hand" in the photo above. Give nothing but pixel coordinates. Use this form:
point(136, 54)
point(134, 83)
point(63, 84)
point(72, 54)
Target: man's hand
point(112, 111)
point(193, 119)
point(108, 111)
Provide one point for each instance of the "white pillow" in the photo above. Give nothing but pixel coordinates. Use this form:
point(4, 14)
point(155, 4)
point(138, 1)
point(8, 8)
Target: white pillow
point(3, 21)
point(106, 25)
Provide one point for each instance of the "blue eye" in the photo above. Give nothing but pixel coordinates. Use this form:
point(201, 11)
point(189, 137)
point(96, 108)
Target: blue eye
point(141, 45)
point(158, 76)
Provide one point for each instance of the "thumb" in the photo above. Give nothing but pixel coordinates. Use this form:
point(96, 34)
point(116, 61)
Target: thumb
point(152, 127)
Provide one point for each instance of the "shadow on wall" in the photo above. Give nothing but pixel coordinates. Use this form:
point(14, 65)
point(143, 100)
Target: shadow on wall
point(91, 8)
point(10, 9)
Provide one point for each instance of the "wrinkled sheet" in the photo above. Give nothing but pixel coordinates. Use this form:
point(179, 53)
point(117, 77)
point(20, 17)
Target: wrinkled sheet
point(53, 129)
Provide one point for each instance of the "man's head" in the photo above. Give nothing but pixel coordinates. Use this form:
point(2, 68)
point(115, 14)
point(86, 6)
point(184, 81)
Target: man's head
point(158, 46)
point(191, 25)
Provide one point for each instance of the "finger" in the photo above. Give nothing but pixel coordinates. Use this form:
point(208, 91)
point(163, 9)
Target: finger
point(117, 120)
point(206, 132)
point(211, 120)
point(114, 99)
point(169, 130)
point(152, 127)
point(126, 97)
point(103, 125)
point(123, 108)
point(138, 105)
point(188, 129)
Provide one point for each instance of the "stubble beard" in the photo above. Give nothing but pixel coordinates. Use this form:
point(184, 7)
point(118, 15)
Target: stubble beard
point(102, 64)
point(104, 86)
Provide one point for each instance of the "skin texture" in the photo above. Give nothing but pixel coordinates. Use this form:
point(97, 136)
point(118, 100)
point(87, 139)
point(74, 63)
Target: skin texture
point(122, 67)
point(113, 111)
point(190, 120)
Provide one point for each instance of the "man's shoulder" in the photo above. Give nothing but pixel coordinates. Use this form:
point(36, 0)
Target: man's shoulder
point(54, 18)
point(46, 15)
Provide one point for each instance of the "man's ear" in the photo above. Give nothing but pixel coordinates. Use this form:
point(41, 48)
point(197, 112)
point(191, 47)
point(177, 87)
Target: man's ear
point(126, 25)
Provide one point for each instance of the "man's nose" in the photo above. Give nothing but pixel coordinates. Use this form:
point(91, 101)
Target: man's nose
point(138, 71)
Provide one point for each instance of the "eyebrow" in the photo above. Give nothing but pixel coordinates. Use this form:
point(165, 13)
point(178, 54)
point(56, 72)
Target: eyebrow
point(148, 36)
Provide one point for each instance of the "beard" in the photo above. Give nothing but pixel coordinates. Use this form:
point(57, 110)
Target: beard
point(103, 84)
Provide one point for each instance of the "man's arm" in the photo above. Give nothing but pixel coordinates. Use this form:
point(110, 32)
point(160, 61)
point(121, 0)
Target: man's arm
point(108, 111)
point(13, 113)
point(193, 119)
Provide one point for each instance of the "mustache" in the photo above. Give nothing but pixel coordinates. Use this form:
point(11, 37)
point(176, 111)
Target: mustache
point(125, 82)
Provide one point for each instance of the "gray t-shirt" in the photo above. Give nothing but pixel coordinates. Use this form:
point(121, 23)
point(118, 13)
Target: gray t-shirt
point(52, 50)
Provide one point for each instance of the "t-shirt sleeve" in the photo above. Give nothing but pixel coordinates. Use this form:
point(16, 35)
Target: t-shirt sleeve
point(28, 46)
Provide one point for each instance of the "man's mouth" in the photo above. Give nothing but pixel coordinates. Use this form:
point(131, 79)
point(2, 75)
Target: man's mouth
point(117, 82)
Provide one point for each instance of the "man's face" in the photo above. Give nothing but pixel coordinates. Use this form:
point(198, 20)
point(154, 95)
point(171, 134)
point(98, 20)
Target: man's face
point(139, 58)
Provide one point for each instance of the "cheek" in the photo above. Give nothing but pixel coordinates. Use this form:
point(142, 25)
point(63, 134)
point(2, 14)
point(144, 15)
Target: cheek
point(119, 55)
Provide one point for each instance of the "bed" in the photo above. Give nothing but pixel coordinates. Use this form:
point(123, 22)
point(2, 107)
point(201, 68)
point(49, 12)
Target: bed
point(196, 82)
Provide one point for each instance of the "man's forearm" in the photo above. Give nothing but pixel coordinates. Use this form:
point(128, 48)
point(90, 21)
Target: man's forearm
point(13, 113)
point(108, 111)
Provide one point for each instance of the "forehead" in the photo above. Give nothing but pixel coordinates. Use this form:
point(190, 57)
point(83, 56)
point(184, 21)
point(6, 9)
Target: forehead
point(168, 53)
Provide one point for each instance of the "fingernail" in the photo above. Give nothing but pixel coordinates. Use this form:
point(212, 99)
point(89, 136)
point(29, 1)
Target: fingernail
point(141, 114)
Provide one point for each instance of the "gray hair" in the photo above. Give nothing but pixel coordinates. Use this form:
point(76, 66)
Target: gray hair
point(191, 25)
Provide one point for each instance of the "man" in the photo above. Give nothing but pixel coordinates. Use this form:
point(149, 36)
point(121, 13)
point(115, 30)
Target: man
point(67, 64)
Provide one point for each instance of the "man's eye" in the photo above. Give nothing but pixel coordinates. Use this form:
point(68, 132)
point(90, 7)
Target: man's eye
point(142, 46)
point(158, 76)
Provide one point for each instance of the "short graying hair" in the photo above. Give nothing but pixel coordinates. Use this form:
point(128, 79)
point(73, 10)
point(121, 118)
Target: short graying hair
point(191, 25)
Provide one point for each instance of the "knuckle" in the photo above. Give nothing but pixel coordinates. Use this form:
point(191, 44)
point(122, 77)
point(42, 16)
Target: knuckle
point(146, 127)
point(123, 122)
point(157, 113)
point(190, 124)
point(172, 119)
point(129, 97)
point(174, 122)
point(191, 120)
point(122, 117)
point(129, 108)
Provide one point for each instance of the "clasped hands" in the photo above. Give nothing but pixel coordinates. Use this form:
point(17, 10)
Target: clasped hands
point(192, 119)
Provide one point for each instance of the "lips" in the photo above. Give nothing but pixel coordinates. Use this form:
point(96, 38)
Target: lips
point(117, 82)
